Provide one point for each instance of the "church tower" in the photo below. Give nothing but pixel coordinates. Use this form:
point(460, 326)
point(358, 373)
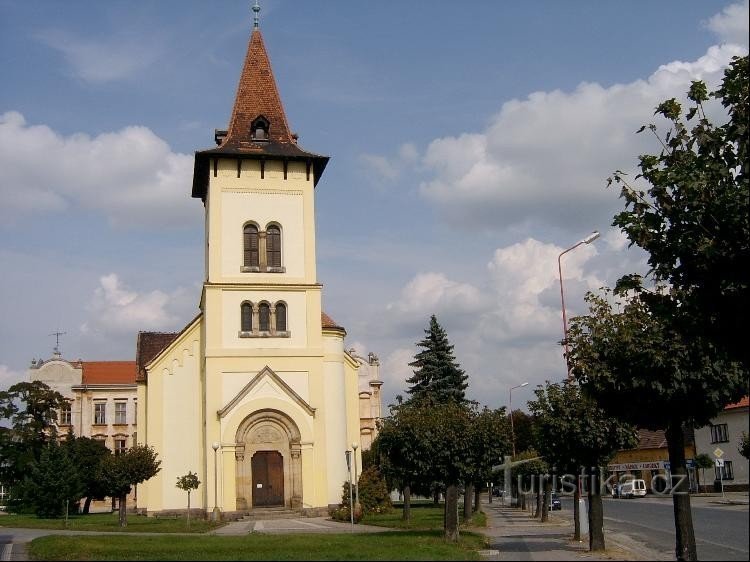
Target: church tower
point(258, 392)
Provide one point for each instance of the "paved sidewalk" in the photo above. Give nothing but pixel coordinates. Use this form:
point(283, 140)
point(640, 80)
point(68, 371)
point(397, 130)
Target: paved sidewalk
point(515, 535)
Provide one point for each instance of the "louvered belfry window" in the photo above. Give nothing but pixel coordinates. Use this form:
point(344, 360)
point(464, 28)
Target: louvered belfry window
point(273, 246)
point(264, 317)
point(247, 317)
point(252, 253)
point(280, 317)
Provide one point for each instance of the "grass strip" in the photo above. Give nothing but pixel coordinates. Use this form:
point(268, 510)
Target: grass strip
point(109, 522)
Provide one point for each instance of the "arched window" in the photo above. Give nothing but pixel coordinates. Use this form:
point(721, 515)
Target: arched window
point(252, 252)
point(273, 246)
point(264, 319)
point(280, 317)
point(259, 129)
point(246, 320)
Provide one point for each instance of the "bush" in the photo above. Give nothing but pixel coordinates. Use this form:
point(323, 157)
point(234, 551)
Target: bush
point(374, 496)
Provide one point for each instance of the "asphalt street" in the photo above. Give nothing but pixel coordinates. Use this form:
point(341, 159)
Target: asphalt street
point(721, 531)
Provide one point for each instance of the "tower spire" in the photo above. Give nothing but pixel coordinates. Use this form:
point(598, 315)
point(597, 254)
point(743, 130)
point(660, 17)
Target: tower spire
point(256, 12)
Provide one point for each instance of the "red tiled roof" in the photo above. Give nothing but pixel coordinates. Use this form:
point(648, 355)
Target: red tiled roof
point(108, 372)
point(328, 322)
point(648, 439)
point(257, 95)
point(148, 346)
point(744, 403)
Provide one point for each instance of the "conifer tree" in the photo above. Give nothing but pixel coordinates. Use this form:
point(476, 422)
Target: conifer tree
point(437, 378)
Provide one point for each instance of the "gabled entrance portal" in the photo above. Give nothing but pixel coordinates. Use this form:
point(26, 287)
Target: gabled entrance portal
point(268, 479)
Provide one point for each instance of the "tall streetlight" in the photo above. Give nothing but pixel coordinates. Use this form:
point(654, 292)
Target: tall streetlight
point(510, 406)
point(215, 446)
point(356, 481)
point(588, 240)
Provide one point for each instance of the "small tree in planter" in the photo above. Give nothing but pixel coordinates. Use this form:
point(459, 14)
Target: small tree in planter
point(188, 482)
point(703, 461)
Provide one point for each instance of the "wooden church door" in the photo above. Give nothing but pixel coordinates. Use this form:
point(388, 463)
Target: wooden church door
point(268, 479)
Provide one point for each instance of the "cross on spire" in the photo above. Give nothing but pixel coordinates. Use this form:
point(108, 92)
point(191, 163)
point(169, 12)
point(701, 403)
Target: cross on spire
point(256, 18)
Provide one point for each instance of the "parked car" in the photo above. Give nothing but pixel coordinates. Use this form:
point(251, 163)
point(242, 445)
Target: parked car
point(497, 492)
point(555, 503)
point(632, 489)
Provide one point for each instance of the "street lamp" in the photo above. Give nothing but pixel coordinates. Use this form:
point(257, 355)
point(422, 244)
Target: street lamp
point(356, 481)
point(510, 406)
point(588, 240)
point(215, 446)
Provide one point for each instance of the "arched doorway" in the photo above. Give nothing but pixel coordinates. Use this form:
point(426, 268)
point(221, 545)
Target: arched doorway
point(268, 468)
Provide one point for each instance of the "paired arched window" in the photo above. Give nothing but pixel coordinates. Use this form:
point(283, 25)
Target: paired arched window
point(261, 249)
point(263, 319)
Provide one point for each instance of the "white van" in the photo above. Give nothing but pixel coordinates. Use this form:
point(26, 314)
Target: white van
point(632, 488)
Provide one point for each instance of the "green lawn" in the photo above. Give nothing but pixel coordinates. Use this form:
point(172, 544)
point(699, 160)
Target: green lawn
point(110, 522)
point(423, 516)
point(396, 545)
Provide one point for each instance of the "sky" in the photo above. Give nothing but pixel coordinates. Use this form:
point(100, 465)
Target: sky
point(470, 145)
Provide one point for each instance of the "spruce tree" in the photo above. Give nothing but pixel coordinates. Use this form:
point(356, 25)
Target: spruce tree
point(437, 378)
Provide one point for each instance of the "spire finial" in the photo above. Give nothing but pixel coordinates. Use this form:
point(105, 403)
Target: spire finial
point(256, 18)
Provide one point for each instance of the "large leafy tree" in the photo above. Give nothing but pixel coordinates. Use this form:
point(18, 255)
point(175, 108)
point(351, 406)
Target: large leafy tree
point(437, 377)
point(119, 473)
point(53, 482)
point(31, 408)
point(572, 431)
point(679, 350)
point(87, 454)
point(523, 430)
point(693, 218)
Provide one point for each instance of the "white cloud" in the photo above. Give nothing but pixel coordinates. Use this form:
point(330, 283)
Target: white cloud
point(731, 24)
point(545, 159)
point(115, 309)
point(120, 57)
point(131, 175)
point(429, 293)
point(382, 169)
point(9, 377)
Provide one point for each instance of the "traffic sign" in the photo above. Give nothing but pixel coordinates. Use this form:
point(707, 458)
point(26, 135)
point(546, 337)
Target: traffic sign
point(718, 453)
point(719, 463)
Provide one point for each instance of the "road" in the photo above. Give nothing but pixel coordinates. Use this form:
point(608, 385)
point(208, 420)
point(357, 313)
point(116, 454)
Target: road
point(721, 531)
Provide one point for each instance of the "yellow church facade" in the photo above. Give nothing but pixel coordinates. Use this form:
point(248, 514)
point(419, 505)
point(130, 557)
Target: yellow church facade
point(257, 395)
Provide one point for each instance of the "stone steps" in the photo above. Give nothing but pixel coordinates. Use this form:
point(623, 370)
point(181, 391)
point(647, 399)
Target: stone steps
point(266, 513)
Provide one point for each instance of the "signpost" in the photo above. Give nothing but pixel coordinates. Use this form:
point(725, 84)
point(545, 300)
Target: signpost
point(719, 462)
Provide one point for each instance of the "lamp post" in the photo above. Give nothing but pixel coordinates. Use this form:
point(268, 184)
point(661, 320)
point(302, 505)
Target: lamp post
point(356, 480)
point(348, 455)
point(510, 406)
point(215, 446)
point(588, 240)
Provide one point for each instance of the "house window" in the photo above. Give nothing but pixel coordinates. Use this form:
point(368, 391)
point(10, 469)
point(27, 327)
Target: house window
point(719, 433)
point(246, 314)
point(280, 317)
point(264, 320)
point(65, 415)
point(100, 413)
point(273, 246)
point(120, 445)
point(121, 414)
point(725, 472)
point(252, 246)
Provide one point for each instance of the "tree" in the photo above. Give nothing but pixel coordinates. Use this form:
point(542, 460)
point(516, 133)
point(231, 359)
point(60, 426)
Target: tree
point(678, 350)
point(693, 220)
point(523, 432)
point(744, 447)
point(426, 443)
point(373, 491)
point(53, 483)
point(121, 472)
point(31, 408)
point(703, 461)
point(87, 454)
point(188, 482)
point(437, 377)
point(572, 431)
point(527, 475)
point(637, 356)
point(488, 440)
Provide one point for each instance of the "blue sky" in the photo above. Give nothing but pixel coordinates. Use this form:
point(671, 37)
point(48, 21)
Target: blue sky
point(470, 145)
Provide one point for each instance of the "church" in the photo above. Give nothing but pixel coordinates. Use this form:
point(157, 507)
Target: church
point(257, 394)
